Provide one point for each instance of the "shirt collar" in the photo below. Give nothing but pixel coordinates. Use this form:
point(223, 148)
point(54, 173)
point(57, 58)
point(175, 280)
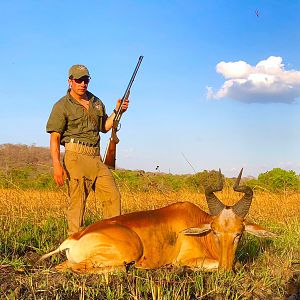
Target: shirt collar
point(73, 100)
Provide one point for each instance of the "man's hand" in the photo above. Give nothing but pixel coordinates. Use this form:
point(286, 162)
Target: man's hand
point(110, 119)
point(124, 106)
point(59, 174)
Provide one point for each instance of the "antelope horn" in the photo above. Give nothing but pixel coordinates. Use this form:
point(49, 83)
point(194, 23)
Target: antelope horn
point(241, 208)
point(215, 206)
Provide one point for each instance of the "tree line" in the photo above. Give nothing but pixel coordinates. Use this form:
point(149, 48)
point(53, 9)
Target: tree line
point(29, 167)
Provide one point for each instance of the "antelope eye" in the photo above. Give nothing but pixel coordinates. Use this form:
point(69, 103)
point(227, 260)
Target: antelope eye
point(218, 234)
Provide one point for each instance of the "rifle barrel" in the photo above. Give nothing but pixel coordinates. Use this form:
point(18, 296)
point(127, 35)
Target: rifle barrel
point(110, 152)
point(118, 115)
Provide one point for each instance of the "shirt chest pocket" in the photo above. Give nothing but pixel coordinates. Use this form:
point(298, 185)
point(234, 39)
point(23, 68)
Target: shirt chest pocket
point(75, 122)
point(98, 114)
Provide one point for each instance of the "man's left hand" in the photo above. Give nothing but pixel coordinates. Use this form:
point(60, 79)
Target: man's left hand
point(124, 106)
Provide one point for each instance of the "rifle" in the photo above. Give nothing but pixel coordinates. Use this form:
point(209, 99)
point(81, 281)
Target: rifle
point(111, 149)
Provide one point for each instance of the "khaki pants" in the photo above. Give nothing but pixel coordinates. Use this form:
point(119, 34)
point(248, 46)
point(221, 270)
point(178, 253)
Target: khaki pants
point(86, 173)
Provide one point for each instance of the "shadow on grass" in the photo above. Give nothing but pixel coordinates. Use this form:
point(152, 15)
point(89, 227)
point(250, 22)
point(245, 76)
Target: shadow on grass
point(251, 247)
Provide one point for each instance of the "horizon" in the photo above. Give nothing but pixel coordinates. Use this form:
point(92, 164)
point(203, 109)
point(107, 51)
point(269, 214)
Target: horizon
point(157, 169)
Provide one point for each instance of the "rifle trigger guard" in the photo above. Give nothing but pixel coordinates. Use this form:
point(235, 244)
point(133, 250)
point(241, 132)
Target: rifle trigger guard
point(119, 127)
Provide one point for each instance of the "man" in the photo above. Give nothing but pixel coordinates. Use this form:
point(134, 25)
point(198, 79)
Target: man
point(75, 122)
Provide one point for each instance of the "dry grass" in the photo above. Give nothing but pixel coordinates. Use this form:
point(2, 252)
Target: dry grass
point(32, 223)
point(266, 207)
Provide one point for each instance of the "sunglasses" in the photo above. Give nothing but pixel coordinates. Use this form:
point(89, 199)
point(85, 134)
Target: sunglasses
point(80, 80)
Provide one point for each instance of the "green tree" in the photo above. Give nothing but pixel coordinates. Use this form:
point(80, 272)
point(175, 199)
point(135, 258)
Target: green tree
point(201, 180)
point(279, 180)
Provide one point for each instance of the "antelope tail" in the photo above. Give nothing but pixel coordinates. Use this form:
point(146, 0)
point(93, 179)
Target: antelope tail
point(63, 246)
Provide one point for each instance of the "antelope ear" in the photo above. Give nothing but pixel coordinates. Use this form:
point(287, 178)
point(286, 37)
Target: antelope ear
point(258, 230)
point(197, 230)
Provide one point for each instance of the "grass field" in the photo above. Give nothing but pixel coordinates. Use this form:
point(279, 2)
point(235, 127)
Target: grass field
point(33, 223)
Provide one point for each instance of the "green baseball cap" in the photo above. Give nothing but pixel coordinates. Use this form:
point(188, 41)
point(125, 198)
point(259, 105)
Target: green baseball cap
point(78, 71)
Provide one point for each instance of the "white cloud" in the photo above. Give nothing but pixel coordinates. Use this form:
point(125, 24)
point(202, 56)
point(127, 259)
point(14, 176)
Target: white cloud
point(266, 82)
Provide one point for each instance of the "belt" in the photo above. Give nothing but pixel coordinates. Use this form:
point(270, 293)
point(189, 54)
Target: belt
point(75, 141)
point(82, 148)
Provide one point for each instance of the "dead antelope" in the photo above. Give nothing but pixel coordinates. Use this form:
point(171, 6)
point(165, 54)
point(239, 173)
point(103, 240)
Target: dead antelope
point(180, 234)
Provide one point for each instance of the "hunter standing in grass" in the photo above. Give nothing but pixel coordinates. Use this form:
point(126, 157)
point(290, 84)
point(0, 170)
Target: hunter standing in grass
point(75, 122)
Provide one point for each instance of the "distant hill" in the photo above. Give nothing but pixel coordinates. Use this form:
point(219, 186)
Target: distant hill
point(30, 166)
point(19, 155)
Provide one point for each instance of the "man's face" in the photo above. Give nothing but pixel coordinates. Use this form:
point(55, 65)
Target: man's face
point(79, 86)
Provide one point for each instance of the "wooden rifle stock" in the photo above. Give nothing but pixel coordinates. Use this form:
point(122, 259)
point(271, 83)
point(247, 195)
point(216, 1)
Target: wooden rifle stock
point(111, 149)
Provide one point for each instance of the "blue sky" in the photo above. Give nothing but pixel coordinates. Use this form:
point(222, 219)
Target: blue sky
point(219, 86)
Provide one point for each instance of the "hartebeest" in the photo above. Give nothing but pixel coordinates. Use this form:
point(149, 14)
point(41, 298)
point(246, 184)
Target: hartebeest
point(180, 234)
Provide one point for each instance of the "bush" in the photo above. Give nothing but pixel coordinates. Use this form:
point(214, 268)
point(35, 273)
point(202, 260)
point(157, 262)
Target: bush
point(277, 180)
point(147, 181)
point(28, 177)
point(201, 180)
point(32, 177)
